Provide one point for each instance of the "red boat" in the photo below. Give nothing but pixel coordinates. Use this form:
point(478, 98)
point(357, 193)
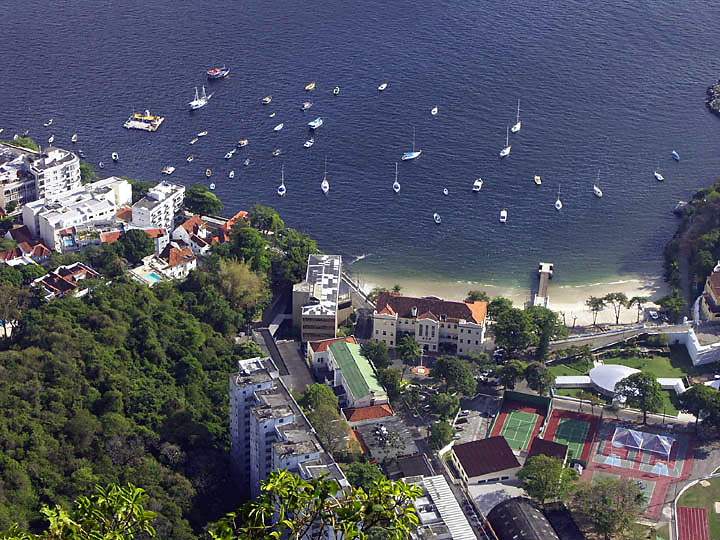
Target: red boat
point(218, 72)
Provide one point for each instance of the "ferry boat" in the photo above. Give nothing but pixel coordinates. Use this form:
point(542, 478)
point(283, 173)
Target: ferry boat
point(215, 72)
point(144, 121)
point(200, 99)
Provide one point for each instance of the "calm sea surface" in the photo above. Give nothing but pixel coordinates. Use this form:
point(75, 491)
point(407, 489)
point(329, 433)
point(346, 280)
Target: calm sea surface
point(610, 86)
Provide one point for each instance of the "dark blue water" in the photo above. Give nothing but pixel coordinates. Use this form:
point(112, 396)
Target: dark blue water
point(613, 86)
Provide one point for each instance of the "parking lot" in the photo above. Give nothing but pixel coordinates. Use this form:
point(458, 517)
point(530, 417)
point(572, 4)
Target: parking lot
point(475, 418)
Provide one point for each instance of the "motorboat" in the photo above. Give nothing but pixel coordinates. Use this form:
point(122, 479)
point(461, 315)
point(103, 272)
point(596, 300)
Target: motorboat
point(276, 152)
point(190, 158)
point(200, 99)
point(74, 138)
point(51, 139)
point(2, 129)
point(414, 153)
point(81, 153)
point(231, 174)
point(558, 202)
point(279, 126)
point(596, 187)
point(383, 87)
point(230, 154)
point(246, 162)
point(336, 91)
point(314, 124)
point(309, 87)
point(477, 185)
point(437, 219)
point(272, 115)
point(503, 216)
point(212, 186)
point(446, 192)
point(518, 123)
point(243, 142)
point(194, 140)
point(215, 72)
point(208, 172)
point(325, 185)
point(506, 151)
point(675, 155)
point(48, 123)
point(434, 110)
point(537, 179)
point(115, 156)
point(309, 142)
point(202, 133)
point(306, 105)
point(266, 100)
point(281, 190)
point(168, 170)
point(396, 184)
point(101, 165)
point(659, 177)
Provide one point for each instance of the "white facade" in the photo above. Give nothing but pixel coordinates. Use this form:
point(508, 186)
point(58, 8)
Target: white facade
point(56, 172)
point(315, 300)
point(159, 206)
point(466, 336)
point(18, 184)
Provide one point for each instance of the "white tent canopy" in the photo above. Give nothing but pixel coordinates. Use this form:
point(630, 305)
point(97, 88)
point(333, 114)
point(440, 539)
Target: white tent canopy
point(640, 440)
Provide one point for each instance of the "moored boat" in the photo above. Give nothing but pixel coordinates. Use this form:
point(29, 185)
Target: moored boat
point(168, 170)
point(279, 127)
point(382, 87)
point(208, 172)
point(309, 87)
point(675, 155)
point(243, 142)
point(537, 179)
point(477, 185)
point(309, 142)
point(266, 100)
point(412, 154)
point(503, 215)
point(216, 72)
point(336, 91)
point(314, 124)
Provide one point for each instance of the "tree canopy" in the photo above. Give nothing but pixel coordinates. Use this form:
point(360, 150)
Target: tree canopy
point(611, 505)
point(546, 479)
point(642, 391)
point(200, 200)
point(539, 378)
point(377, 352)
point(441, 433)
point(409, 350)
point(458, 374)
point(477, 296)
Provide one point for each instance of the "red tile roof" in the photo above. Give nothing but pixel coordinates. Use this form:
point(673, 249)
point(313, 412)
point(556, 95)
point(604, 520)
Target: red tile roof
point(230, 223)
point(485, 456)
point(155, 233)
point(403, 306)
point(175, 255)
point(547, 448)
point(427, 315)
point(110, 237)
point(21, 233)
point(124, 214)
point(714, 282)
point(193, 224)
point(64, 279)
point(368, 413)
point(322, 346)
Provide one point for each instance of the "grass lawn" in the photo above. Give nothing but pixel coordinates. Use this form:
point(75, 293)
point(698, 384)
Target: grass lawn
point(660, 366)
point(663, 532)
point(705, 497)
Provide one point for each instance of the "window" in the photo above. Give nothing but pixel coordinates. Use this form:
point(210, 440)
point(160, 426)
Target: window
point(384, 333)
point(391, 342)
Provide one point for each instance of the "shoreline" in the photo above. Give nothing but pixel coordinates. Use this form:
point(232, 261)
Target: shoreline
point(568, 299)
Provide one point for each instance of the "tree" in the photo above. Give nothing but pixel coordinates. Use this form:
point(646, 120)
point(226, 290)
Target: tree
point(546, 479)
point(200, 200)
point(115, 512)
point(251, 247)
point(596, 305)
point(12, 303)
point(700, 400)
point(444, 405)
point(458, 374)
point(477, 296)
point(514, 329)
point(296, 247)
point(641, 391)
point(11, 206)
point(441, 433)
point(638, 301)
point(266, 219)
point(245, 290)
point(539, 377)
point(396, 288)
point(618, 301)
point(391, 380)
point(374, 294)
point(331, 428)
point(377, 353)
point(289, 507)
point(611, 505)
point(317, 395)
point(672, 305)
point(25, 142)
point(498, 305)
point(510, 373)
point(87, 172)
point(135, 245)
point(547, 327)
point(362, 474)
point(409, 350)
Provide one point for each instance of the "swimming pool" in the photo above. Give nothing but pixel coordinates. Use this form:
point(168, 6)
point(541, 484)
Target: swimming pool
point(153, 277)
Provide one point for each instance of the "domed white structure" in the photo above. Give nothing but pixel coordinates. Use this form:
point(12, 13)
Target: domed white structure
point(604, 377)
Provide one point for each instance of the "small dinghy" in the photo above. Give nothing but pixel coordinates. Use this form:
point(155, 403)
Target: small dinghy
point(74, 138)
point(101, 165)
point(276, 152)
point(190, 158)
point(434, 110)
point(477, 185)
point(208, 172)
point(437, 219)
point(231, 174)
point(115, 157)
point(446, 192)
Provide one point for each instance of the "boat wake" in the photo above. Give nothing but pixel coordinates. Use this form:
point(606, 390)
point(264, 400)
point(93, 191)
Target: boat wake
point(359, 258)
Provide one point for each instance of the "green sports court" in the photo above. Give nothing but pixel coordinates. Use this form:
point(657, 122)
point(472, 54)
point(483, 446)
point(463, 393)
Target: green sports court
point(518, 428)
point(574, 434)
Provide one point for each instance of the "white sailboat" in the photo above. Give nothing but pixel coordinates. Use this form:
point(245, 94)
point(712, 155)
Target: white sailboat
point(309, 142)
point(477, 185)
point(506, 151)
point(51, 139)
point(434, 110)
point(538, 180)
point(282, 190)
point(414, 154)
point(396, 184)
point(115, 156)
point(200, 100)
point(190, 158)
point(382, 87)
point(558, 202)
point(446, 191)
point(336, 91)
point(596, 187)
point(518, 123)
point(202, 133)
point(212, 186)
point(325, 185)
point(48, 123)
point(74, 138)
point(279, 127)
point(231, 174)
point(231, 153)
point(267, 100)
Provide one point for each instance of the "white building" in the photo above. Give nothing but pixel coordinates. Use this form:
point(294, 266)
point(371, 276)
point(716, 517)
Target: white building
point(159, 206)
point(56, 172)
point(18, 183)
point(87, 205)
point(440, 514)
point(485, 461)
point(315, 300)
point(268, 431)
point(433, 322)
point(194, 232)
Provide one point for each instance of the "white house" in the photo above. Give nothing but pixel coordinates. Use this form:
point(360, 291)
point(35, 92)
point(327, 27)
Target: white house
point(159, 206)
point(195, 233)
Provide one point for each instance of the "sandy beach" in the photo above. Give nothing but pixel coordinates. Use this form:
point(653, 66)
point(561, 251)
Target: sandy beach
point(566, 299)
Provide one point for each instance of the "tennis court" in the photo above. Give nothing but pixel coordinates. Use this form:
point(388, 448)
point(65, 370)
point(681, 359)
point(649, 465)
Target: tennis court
point(518, 428)
point(573, 433)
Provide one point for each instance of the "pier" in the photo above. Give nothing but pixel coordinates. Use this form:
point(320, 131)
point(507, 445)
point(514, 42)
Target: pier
point(545, 274)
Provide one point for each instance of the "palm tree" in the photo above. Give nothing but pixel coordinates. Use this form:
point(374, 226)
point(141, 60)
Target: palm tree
point(640, 301)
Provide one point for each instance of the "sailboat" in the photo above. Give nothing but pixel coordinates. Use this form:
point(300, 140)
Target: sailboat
point(503, 216)
point(434, 110)
point(382, 87)
point(48, 123)
point(558, 202)
point(208, 172)
point(243, 142)
point(74, 138)
point(101, 165)
point(212, 186)
point(414, 154)
point(537, 179)
point(281, 190)
point(596, 188)
point(200, 100)
point(266, 100)
point(279, 126)
point(231, 153)
point(396, 184)
point(190, 158)
point(506, 151)
point(325, 185)
point(115, 156)
point(675, 155)
point(231, 174)
point(336, 91)
point(309, 87)
point(202, 133)
point(51, 139)
point(309, 142)
point(518, 123)
point(306, 105)
point(446, 191)
point(477, 185)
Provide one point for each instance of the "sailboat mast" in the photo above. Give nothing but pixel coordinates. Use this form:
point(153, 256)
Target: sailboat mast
point(517, 118)
point(507, 135)
point(413, 139)
point(325, 175)
point(396, 171)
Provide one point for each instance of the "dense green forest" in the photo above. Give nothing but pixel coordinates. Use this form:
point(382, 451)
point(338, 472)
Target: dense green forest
point(129, 384)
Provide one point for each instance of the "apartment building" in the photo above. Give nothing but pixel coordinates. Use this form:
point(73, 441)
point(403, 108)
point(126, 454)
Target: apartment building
point(440, 514)
point(16, 180)
point(315, 300)
point(436, 324)
point(268, 430)
point(159, 206)
point(56, 171)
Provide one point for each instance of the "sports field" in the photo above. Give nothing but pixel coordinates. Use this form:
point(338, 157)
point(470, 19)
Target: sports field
point(573, 433)
point(518, 428)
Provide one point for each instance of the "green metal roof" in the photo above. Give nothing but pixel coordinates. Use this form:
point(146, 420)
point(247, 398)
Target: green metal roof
point(357, 370)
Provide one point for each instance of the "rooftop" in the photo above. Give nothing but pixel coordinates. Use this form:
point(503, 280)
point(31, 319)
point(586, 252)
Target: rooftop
point(363, 414)
point(387, 439)
point(357, 370)
point(322, 346)
point(439, 505)
point(408, 307)
point(547, 448)
point(519, 518)
point(323, 283)
point(485, 456)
